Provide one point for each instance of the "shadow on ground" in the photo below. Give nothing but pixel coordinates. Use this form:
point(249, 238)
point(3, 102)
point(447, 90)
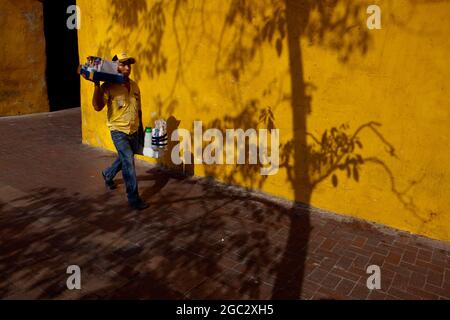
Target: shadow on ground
point(193, 242)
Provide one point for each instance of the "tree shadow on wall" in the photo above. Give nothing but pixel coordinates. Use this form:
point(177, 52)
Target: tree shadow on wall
point(143, 25)
point(142, 18)
point(322, 23)
point(248, 28)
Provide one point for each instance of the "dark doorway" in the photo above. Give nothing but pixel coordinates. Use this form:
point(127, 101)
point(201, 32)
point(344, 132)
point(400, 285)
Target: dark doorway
point(63, 82)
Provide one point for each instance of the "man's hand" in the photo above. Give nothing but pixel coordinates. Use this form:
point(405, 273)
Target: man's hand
point(96, 83)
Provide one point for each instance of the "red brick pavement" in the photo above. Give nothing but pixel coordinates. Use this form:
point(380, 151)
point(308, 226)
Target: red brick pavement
point(198, 239)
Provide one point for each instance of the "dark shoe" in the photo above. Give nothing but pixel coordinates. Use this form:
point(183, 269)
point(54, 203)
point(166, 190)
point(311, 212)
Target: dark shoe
point(140, 205)
point(109, 183)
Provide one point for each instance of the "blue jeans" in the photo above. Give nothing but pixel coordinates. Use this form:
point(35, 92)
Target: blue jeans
point(127, 146)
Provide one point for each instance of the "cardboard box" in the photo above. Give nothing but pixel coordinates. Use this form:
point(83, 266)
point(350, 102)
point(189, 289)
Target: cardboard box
point(98, 69)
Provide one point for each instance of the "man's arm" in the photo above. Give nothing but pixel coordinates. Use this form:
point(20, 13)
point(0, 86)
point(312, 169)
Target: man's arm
point(140, 109)
point(97, 100)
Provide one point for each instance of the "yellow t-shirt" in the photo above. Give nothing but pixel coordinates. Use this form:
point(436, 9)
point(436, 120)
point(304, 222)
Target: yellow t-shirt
point(123, 106)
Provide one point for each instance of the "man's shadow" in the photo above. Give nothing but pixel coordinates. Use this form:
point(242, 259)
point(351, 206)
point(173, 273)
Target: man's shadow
point(184, 169)
point(160, 176)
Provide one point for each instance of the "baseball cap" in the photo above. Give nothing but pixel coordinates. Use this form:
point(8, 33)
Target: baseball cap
point(122, 57)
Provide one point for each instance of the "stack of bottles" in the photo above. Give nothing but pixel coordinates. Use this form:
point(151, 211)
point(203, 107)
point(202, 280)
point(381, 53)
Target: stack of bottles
point(93, 64)
point(155, 140)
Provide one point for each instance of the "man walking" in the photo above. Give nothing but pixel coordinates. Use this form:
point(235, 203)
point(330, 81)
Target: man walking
point(124, 116)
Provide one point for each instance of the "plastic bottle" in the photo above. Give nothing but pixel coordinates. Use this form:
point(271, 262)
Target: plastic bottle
point(148, 138)
point(155, 135)
point(148, 150)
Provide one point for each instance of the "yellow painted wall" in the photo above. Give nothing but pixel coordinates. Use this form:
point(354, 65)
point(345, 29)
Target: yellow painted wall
point(23, 87)
point(200, 60)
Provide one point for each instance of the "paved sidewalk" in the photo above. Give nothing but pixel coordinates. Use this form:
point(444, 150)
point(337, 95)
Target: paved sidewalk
point(198, 240)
